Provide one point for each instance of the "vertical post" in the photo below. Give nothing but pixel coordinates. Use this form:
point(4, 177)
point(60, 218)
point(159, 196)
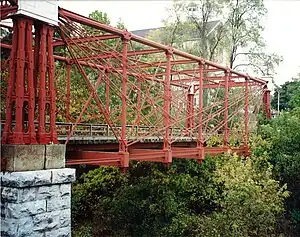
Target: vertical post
point(266, 103)
point(246, 148)
point(31, 86)
point(11, 84)
point(138, 119)
point(107, 88)
point(167, 107)
point(28, 83)
point(19, 93)
point(190, 110)
point(53, 134)
point(42, 86)
point(123, 141)
point(226, 107)
point(68, 101)
point(200, 141)
point(37, 42)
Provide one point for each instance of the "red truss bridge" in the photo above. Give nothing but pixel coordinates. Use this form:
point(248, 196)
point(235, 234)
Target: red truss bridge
point(112, 96)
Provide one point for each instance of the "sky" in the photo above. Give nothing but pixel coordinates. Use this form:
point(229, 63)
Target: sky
point(281, 33)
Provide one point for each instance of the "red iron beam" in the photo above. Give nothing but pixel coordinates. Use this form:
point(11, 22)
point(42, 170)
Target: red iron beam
point(97, 25)
point(57, 43)
point(116, 55)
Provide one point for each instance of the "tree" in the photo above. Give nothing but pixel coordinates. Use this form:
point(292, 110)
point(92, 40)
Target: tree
point(100, 16)
point(251, 199)
point(91, 200)
point(289, 96)
point(237, 33)
point(247, 48)
point(281, 146)
point(190, 26)
point(222, 196)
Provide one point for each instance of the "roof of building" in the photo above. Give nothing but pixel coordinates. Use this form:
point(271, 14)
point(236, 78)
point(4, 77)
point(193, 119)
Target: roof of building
point(145, 32)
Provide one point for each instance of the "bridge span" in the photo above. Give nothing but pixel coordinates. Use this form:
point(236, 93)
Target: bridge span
point(112, 96)
point(77, 91)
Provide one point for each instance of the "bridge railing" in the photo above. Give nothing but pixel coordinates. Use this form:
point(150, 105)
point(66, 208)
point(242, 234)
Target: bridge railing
point(92, 130)
point(103, 130)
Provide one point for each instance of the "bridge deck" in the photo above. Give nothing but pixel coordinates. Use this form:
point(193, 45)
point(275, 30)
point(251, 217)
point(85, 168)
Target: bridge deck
point(154, 155)
point(111, 139)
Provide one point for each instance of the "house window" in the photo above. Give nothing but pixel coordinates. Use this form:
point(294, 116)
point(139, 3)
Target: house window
point(192, 8)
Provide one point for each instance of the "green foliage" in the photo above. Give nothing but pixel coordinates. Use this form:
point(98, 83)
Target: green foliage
point(250, 202)
point(92, 198)
point(281, 144)
point(214, 141)
point(223, 195)
point(289, 96)
point(100, 16)
point(144, 202)
point(192, 31)
point(237, 33)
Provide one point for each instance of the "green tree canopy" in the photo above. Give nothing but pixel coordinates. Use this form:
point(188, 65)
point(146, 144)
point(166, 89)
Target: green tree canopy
point(289, 95)
point(226, 31)
point(281, 146)
point(222, 196)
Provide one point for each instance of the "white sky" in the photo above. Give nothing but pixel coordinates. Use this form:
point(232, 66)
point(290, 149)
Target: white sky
point(281, 26)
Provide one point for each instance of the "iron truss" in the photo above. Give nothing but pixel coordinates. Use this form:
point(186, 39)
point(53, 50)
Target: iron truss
point(112, 96)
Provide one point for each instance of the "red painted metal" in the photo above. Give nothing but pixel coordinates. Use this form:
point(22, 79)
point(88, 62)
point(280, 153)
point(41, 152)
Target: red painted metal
point(51, 87)
point(153, 155)
point(226, 107)
point(8, 7)
point(246, 146)
point(91, 88)
point(68, 99)
point(139, 108)
point(167, 107)
point(148, 155)
point(8, 135)
point(95, 158)
point(107, 89)
point(31, 85)
point(267, 103)
point(143, 108)
point(190, 109)
point(97, 25)
point(200, 140)
point(230, 85)
point(59, 42)
point(123, 141)
point(113, 54)
point(28, 76)
point(19, 89)
point(84, 108)
point(42, 68)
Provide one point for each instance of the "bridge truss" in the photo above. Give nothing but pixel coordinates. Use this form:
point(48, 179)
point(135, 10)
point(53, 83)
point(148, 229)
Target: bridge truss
point(112, 96)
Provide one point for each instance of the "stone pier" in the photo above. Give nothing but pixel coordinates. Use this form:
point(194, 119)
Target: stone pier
point(35, 191)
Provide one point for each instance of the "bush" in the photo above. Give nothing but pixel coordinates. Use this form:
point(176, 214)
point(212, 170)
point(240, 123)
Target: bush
point(222, 196)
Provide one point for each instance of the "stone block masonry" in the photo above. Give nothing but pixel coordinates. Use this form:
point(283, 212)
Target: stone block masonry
point(36, 203)
point(32, 157)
